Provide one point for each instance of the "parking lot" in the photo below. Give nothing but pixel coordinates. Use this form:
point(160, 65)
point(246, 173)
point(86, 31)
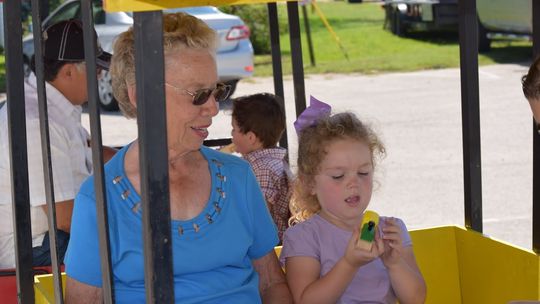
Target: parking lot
point(419, 117)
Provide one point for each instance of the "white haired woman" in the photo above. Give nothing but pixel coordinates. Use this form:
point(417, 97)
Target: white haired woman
point(223, 237)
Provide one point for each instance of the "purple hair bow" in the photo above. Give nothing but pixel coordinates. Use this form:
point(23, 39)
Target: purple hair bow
point(316, 110)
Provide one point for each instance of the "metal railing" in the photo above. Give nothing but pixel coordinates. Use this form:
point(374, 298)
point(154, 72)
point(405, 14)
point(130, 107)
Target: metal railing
point(154, 171)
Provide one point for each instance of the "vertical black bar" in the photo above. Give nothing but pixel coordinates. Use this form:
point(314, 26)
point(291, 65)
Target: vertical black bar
point(536, 190)
point(536, 139)
point(18, 153)
point(152, 126)
point(43, 10)
point(468, 50)
point(308, 35)
point(46, 152)
point(276, 63)
point(296, 57)
point(97, 156)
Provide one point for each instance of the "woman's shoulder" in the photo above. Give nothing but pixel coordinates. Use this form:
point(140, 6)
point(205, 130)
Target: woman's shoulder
point(113, 171)
point(224, 158)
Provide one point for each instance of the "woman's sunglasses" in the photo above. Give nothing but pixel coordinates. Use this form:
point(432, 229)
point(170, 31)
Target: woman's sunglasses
point(200, 97)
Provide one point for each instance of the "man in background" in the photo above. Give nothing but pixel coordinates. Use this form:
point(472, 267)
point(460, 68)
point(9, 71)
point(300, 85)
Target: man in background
point(66, 90)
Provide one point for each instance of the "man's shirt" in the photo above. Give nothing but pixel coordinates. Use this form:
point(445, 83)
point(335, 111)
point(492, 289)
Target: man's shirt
point(70, 157)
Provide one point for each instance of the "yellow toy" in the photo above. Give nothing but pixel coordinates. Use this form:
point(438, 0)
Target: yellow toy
point(368, 228)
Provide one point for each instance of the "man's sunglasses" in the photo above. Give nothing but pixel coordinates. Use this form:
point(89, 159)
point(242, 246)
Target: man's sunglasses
point(200, 97)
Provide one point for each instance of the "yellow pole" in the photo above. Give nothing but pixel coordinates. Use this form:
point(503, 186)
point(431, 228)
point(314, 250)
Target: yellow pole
point(329, 28)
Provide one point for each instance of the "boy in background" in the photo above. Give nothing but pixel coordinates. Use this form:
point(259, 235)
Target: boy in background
point(258, 121)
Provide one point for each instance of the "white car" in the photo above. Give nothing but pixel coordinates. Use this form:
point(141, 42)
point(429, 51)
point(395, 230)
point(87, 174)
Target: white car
point(234, 54)
point(503, 17)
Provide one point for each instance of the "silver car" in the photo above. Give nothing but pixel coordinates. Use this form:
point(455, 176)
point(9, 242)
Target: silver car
point(234, 54)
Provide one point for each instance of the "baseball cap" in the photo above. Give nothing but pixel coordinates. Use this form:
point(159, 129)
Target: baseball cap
point(63, 41)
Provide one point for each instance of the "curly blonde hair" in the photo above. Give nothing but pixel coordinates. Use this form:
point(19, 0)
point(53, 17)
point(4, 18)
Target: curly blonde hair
point(180, 31)
point(312, 145)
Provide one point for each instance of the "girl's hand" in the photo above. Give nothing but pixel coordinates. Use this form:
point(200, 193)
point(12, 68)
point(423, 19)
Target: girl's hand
point(356, 256)
point(392, 242)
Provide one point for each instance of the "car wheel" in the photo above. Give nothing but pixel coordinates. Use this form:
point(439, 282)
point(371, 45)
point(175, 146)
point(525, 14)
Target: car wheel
point(227, 104)
point(396, 23)
point(484, 43)
point(233, 84)
point(106, 98)
point(26, 67)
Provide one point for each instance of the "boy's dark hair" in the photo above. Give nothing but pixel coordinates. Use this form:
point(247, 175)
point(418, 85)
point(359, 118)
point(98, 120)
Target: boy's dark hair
point(531, 81)
point(261, 114)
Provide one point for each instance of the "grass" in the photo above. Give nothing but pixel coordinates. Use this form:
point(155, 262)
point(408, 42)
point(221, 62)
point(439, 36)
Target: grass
point(371, 49)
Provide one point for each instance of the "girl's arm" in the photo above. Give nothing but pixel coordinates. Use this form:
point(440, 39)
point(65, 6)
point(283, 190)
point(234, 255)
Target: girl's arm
point(405, 276)
point(77, 292)
point(306, 285)
point(272, 284)
point(406, 279)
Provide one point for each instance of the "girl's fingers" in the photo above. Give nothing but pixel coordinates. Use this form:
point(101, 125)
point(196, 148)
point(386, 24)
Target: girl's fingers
point(391, 226)
point(356, 233)
point(379, 245)
point(391, 235)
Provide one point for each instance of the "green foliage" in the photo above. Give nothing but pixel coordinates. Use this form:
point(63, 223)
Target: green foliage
point(369, 47)
point(256, 18)
point(53, 4)
point(26, 13)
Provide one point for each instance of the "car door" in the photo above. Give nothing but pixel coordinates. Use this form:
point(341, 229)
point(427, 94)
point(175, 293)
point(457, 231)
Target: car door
point(506, 16)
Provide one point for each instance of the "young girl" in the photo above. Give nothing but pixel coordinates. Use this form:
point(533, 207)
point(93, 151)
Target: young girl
point(336, 161)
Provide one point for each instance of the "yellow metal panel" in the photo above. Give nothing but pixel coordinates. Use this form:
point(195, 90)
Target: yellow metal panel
point(495, 272)
point(459, 266)
point(277, 249)
point(435, 251)
point(152, 5)
point(44, 290)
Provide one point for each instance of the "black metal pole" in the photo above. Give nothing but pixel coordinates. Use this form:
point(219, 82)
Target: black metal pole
point(15, 104)
point(472, 173)
point(296, 55)
point(308, 36)
point(536, 140)
point(276, 63)
point(46, 152)
point(151, 120)
point(97, 155)
point(43, 10)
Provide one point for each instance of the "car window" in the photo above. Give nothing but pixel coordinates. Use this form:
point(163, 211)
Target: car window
point(73, 11)
point(69, 11)
point(98, 12)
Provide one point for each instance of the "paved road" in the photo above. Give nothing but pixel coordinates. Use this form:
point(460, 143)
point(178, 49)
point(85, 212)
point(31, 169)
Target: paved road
point(419, 117)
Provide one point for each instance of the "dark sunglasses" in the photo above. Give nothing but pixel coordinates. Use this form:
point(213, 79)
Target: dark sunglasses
point(200, 97)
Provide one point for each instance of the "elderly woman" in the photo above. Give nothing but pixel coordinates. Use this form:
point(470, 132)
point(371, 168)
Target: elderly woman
point(223, 236)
